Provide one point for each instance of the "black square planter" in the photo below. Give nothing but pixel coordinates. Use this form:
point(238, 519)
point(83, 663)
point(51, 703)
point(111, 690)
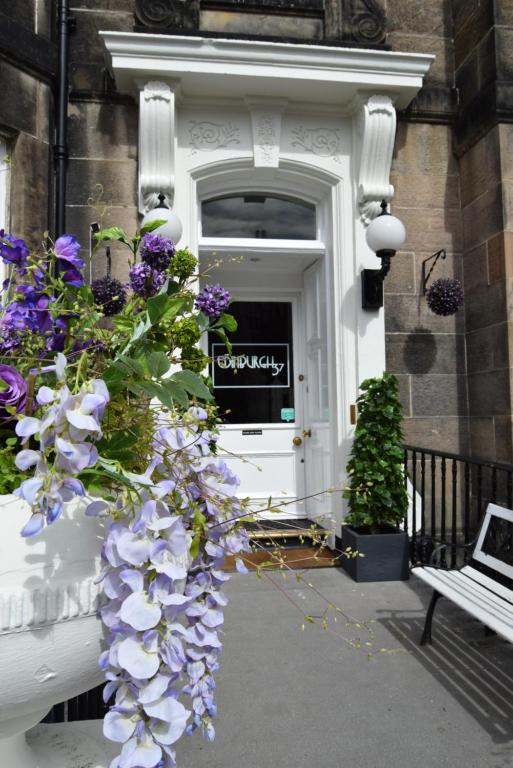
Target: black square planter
point(386, 555)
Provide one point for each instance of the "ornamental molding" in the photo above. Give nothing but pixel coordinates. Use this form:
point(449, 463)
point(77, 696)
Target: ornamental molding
point(266, 131)
point(181, 15)
point(375, 125)
point(367, 21)
point(205, 136)
point(156, 143)
point(23, 610)
point(323, 142)
point(219, 67)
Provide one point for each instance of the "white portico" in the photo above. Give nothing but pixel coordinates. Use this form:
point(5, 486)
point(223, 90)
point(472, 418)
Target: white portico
point(275, 157)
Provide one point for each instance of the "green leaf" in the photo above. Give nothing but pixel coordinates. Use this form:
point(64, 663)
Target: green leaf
point(195, 546)
point(151, 225)
point(177, 392)
point(163, 307)
point(222, 335)
point(158, 364)
point(111, 233)
point(228, 322)
point(193, 384)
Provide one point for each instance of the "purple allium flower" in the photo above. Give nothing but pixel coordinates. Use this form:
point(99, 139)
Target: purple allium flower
point(66, 249)
point(144, 280)
point(157, 251)
point(109, 294)
point(445, 296)
point(13, 251)
point(213, 300)
point(13, 391)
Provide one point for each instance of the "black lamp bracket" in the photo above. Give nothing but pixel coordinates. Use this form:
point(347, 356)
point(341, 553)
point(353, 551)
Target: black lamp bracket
point(372, 281)
point(441, 254)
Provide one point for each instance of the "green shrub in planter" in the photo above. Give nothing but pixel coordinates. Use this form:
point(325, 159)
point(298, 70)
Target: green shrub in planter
point(377, 497)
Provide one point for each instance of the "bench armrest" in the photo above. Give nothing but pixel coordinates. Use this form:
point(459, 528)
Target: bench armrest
point(435, 553)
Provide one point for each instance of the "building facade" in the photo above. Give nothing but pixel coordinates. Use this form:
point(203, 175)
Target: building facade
point(275, 129)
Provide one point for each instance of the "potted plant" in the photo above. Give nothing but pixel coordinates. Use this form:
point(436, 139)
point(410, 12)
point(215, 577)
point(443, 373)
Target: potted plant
point(108, 470)
point(376, 493)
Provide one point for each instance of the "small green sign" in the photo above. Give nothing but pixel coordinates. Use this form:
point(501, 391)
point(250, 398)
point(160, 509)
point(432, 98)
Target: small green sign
point(288, 414)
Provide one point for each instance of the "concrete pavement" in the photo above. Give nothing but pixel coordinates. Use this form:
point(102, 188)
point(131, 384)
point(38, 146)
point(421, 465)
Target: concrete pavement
point(293, 698)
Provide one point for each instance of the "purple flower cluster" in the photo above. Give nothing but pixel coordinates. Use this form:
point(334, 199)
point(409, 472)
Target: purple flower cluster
point(144, 280)
point(13, 251)
point(163, 611)
point(445, 296)
point(157, 251)
point(213, 300)
point(67, 249)
point(65, 429)
point(29, 312)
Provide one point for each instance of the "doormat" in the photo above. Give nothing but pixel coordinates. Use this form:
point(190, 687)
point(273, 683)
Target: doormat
point(284, 558)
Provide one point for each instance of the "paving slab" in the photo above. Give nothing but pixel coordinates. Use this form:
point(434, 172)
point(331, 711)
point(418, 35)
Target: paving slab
point(297, 698)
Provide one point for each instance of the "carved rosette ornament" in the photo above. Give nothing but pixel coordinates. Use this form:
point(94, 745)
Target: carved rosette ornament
point(375, 128)
point(179, 15)
point(368, 25)
point(156, 144)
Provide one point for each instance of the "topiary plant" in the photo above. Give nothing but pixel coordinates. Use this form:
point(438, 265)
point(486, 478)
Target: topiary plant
point(376, 493)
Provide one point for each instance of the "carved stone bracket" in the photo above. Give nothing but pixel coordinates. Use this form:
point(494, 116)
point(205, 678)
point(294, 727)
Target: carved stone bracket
point(375, 122)
point(156, 143)
point(266, 129)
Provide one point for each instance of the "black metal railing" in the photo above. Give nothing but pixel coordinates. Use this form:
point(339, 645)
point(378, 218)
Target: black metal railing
point(449, 494)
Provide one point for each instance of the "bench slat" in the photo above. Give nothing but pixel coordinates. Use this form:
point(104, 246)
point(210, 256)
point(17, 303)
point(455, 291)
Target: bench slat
point(488, 608)
point(488, 583)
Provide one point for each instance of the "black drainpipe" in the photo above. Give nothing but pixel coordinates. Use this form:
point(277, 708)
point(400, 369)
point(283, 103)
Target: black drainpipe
point(60, 149)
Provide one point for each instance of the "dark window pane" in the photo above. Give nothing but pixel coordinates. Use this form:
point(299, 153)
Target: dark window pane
point(256, 381)
point(259, 216)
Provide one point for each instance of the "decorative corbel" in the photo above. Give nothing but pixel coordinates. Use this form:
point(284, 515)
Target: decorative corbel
point(266, 128)
point(375, 124)
point(156, 144)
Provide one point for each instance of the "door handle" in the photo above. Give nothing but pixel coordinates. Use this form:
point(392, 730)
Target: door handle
point(307, 433)
point(297, 441)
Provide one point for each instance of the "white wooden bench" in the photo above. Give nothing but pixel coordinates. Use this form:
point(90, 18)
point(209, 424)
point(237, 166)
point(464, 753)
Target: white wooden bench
point(483, 587)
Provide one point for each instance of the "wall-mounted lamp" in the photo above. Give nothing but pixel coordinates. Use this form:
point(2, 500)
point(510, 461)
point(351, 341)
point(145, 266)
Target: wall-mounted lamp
point(172, 228)
point(385, 235)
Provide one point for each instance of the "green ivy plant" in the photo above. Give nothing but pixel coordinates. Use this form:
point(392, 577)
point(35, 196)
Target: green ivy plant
point(376, 493)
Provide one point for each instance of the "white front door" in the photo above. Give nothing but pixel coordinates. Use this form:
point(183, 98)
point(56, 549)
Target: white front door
point(256, 389)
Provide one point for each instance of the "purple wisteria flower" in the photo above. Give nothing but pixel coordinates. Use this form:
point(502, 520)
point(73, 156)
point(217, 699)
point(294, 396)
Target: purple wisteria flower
point(109, 294)
point(13, 391)
point(144, 280)
point(163, 612)
point(213, 300)
point(66, 249)
point(157, 251)
point(13, 251)
point(66, 431)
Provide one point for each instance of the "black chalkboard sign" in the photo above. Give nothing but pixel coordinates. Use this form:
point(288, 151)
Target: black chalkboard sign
point(251, 366)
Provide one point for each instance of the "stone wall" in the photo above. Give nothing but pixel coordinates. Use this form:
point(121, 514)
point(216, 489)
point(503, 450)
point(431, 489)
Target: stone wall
point(426, 351)
point(27, 60)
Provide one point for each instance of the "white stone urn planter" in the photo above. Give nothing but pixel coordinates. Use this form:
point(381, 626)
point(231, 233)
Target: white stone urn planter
point(49, 634)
